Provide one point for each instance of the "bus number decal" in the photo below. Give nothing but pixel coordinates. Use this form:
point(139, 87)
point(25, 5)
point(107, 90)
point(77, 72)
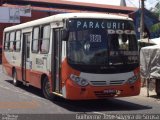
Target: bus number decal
point(95, 38)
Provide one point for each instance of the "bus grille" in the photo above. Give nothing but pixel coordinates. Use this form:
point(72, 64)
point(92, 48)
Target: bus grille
point(98, 83)
point(116, 82)
point(104, 83)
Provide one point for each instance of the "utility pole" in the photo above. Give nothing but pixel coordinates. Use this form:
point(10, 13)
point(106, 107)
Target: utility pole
point(159, 10)
point(1, 3)
point(142, 20)
point(123, 3)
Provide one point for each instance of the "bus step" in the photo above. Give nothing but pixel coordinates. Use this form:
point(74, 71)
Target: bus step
point(58, 94)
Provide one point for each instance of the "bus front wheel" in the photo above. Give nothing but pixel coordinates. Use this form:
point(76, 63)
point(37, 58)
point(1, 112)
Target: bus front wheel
point(46, 89)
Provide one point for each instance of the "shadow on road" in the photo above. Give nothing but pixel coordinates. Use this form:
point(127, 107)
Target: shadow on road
point(157, 97)
point(29, 89)
point(89, 105)
point(101, 105)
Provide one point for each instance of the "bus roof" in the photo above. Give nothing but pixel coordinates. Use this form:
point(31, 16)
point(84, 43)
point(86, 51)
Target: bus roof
point(59, 17)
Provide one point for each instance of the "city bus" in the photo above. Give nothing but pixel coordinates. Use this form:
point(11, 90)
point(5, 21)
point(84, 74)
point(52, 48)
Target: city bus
point(77, 56)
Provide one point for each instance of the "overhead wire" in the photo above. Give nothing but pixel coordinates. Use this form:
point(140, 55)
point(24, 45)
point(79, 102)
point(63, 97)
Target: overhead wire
point(152, 3)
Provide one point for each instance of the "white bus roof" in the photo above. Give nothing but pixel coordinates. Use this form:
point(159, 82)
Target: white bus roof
point(59, 17)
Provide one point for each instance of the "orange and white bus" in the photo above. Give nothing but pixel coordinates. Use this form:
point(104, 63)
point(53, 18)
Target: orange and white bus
point(77, 56)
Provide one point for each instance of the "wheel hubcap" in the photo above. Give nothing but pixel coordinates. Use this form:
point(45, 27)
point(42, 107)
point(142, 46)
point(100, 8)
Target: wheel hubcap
point(14, 79)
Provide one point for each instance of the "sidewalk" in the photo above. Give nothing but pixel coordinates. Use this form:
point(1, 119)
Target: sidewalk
point(144, 92)
point(152, 88)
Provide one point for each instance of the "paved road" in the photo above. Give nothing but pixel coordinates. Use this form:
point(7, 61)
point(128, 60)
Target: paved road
point(29, 100)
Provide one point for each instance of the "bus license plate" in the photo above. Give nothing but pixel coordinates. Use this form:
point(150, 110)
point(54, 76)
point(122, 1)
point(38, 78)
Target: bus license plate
point(110, 91)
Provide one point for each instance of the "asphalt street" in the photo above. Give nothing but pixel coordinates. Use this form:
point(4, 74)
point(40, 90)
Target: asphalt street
point(29, 100)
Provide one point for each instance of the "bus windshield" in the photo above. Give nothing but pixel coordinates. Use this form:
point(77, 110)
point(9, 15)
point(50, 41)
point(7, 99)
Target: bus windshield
point(104, 43)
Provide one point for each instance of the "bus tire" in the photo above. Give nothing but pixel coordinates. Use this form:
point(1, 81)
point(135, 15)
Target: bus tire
point(46, 89)
point(15, 81)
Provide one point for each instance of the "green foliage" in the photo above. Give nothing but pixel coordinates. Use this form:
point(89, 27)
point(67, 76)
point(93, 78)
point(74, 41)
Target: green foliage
point(156, 14)
point(155, 27)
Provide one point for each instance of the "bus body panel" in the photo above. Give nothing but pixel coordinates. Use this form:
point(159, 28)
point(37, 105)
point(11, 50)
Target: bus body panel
point(73, 91)
point(12, 60)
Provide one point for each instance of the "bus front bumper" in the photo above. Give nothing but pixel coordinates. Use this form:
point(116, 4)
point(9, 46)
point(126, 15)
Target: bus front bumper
point(76, 92)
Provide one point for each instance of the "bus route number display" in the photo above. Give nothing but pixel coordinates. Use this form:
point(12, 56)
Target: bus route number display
point(95, 38)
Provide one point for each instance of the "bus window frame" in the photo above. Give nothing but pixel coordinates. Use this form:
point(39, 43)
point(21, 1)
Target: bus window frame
point(15, 48)
point(8, 45)
point(11, 50)
point(39, 39)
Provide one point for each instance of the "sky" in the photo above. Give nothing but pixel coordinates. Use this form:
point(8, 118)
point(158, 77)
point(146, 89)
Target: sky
point(130, 3)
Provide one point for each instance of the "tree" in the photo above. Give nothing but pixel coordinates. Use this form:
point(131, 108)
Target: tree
point(156, 26)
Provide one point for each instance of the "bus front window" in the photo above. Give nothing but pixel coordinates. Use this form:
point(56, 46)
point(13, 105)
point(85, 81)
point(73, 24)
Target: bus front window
point(88, 47)
point(102, 46)
point(123, 49)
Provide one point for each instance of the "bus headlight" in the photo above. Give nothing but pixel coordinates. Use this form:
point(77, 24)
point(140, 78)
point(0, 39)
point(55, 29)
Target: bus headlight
point(80, 81)
point(133, 79)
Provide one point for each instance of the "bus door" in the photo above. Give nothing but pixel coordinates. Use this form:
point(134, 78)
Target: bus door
point(26, 64)
point(56, 56)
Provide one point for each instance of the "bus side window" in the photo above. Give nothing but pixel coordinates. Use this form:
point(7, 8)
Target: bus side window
point(45, 39)
point(12, 40)
point(17, 44)
point(35, 39)
point(6, 41)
